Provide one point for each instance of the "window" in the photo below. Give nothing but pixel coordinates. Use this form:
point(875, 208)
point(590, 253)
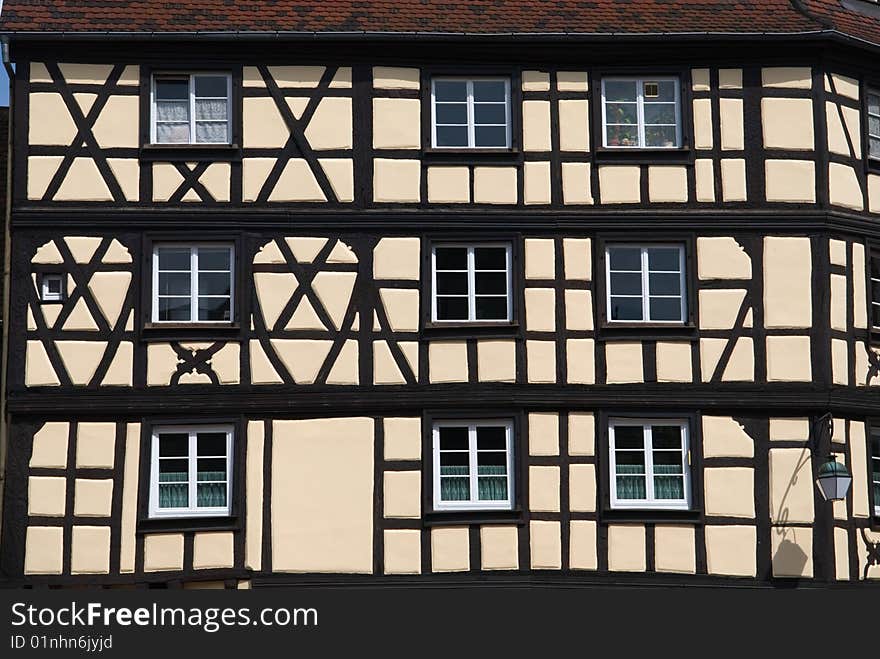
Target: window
point(191, 471)
point(645, 283)
point(52, 288)
point(875, 289)
point(470, 113)
point(641, 113)
point(191, 109)
point(874, 123)
point(649, 463)
point(473, 465)
point(471, 283)
point(192, 283)
point(875, 470)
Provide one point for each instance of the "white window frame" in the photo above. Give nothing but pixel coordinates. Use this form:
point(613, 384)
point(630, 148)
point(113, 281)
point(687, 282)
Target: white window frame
point(474, 503)
point(871, 91)
point(155, 512)
point(470, 111)
point(640, 109)
point(646, 286)
point(472, 290)
point(193, 283)
point(45, 294)
point(650, 502)
point(873, 256)
point(191, 75)
point(871, 482)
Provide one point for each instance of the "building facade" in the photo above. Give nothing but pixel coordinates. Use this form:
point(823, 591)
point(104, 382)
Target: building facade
point(333, 294)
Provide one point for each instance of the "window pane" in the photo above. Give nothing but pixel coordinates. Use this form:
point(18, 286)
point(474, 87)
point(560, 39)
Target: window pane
point(450, 90)
point(874, 103)
point(874, 147)
point(174, 283)
point(875, 314)
point(451, 113)
point(212, 133)
point(664, 283)
point(172, 89)
point(874, 125)
point(213, 258)
point(214, 86)
point(492, 488)
point(452, 308)
point(626, 308)
point(174, 258)
point(875, 266)
point(491, 438)
point(669, 487)
point(663, 258)
point(211, 443)
point(620, 90)
point(491, 283)
point(172, 133)
point(622, 136)
point(214, 308)
point(490, 258)
point(177, 111)
point(490, 90)
point(664, 136)
point(173, 444)
point(666, 90)
point(451, 258)
point(211, 469)
point(453, 437)
point(628, 437)
point(211, 495)
point(214, 283)
point(211, 109)
point(174, 309)
point(631, 487)
point(452, 283)
point(625, 258)
point(626, 283)
point(666, 437)
point(454, 463)
point(491, 463)
point(491, 308)
point(455, 489)
point(621, 113)
point(660, 113)
point(490, 113)
point(490, 136)
point(452, 136)
point(667, 462)
point(665, 308)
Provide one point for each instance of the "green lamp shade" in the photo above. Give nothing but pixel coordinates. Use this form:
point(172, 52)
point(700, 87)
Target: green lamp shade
point(834, 480)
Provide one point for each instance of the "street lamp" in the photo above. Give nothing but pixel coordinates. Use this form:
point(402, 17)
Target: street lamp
point(833, 480)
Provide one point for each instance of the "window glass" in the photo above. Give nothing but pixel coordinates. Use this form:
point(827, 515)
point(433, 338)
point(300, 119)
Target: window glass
point(193, 283)
point(473, 464)
point(649, 464)
point(645, 283)
point(191, 109)
point(471, 283)
point(471, 113)
point(641, 113)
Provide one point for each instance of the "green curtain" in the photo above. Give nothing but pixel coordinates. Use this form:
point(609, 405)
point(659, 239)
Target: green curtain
point(630, 487)
point(211, 495)
point(492, 483)
point(173, 490)
point(454, 489)
point(668, 487)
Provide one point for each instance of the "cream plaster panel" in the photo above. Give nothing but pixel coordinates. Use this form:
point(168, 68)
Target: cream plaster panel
point(792, 181)
point(213, 550)
point(44, 546)
point(448, 361)
point(40, 170)
point(82, 248)
point(216, 180)
point(626, 548)
point(730, 79)
point(620, 184)
point(545, 542)
point(117, 125)
point(582, 545)
point(841, 554)
point(345, 369)
point(402, 494)
point(254, 495)
point(788, 359)
point(127, 172)
point(844, 187)
point(93, 497)
point(495, 185)
point(843, 85)
point(732, 132)
point(410, 351)
point(128, 522)
point(733, 179)
point(262, 371)
point(789, 429)
point(50, 446)
point(496, 361)
point(83, 183)
point(859, 465)
point(396, 181)
point(109, 290)
point(254, 173)
point(274, 289)
point(46, 496)
point(166, 181)
point(544, 489)
point(161, 364)
point(536, 183)
point(95, 444)
point(582, 487)
point(226, 363)
point(791, 485)
point(730, 491)
point(341, 253)
point(581, 433)
point(535, 81)
point(543, 433)
point(303, 358)
point(787, 282)
point(297, 183)
point(577, 257)
point(580, 357)
point(576, 188)
point(340, 174)
point(574, 125)
point(675, 549)
point(838, 302)
point(839, 361)
point(397, 258)
point(674, 361)
point(450, 549)
point(741, 367)
point(331, 125)
point(722, 258)
point(402, 307)
point(50, 314)
point(700, 80)
point(536, 125)
point(334, 291)
point(839, 131)
point(792, 552)
point(541, 359)
point(396, 123)
point(80, 319)
point(296, 76)
point(578, 309)
point(342, 79)
point(499, 548)
point(703, 135)
point(39, 73)
point(263, 125)
point(390, 77)
point(572, 81)
point(860, 310)
point(873, 193)
point(667, 184)
point(731, 550)
point(403, 438)
point(322, 495)
point(48, 253)
point(540, 309)
point(49, 122)
point(719, 308)
point(449, 185)
point(385, 369)
point(163, 552)
point(90, 550)
point(403, 551)
point(861, 363)
point(623, 362)
point(704, 174)
point(85, 74)
point(81, 358)
point(540, 258)
point(724, 437)
point(787, 77)
point(788, 123)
